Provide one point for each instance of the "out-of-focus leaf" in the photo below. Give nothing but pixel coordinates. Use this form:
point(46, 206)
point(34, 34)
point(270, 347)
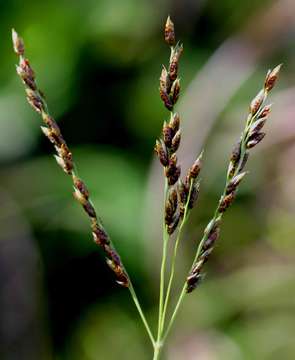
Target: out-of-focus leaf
point(108, 333)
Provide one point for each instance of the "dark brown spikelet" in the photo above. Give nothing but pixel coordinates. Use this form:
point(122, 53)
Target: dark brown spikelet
point(234, 160)
point(27, 75)
point(176, 141)
point(226, 201)
point(255, 139)
point(35, 100)
point(64, 158)
point(257, 126)
point(161, 151)
point(166, 99)
point(244, 160)
point(174, 63)
point(175, 122)
point(171, 206)
point(169, 32)
point(212, 237)
point(175, 91)
point(183, 190)
point(100, 236)
point(271, 78)
point(88, 207)
point(193, 280)
point(265, 112)
point(172, 165)
point(164, 79)
point(194, 196)
point(236, 153)
point(257, 102)
point(167, 135)
point(18, 43)
point(195, 169)
point(173, 177)
point(190, 182)
point(234, 183)
point(173, 226)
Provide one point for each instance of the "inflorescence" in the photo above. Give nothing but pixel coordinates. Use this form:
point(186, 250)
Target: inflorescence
point(181, 194)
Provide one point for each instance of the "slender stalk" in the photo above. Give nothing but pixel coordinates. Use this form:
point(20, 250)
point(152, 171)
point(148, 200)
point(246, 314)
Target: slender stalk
point(163, 265)
point(157, 350)
point(141, 313)
point(179, 301)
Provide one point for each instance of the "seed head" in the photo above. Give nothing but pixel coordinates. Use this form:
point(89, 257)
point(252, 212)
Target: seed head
point(196, 167)
point(169, 32)
point(193, 281)
point(257, 102)
point(212, 237)
point(80, 185)
point(164, 79)
point(183, 190)
point(174, 176)
point(18, 44)
point(161, 152)
point(173, 66)
point(100, 236)
point(235, 182)
point(257, 126)
point(88, 207)
point(265, 111)
point(172, 227)
point(27, 76)
point(271, 78)
point(35, 100)
point(167, 135)
point(236, 153)
point(255, 139)
point(166, 99)
point(175, 90)
point(60, 162)
point(244, 161)
point(171, 206)
point(226, 201)
point(194, 195)
point(79, 196)
point(174, 122)
point(176, 141)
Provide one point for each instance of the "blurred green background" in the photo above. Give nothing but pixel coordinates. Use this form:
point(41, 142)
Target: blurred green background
point(98, 62)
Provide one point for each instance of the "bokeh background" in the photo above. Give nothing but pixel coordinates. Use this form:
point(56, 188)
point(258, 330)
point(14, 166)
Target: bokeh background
point(98, 61)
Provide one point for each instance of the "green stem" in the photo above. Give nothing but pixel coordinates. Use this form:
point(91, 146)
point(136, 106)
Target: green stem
point(157, 350)
point(185, 217)
point(179, 301)
point(163, 265)
point(143, 318)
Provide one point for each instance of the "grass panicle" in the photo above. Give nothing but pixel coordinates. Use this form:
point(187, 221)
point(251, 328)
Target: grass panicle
point(180, 194)
point(65, 160)
point(250, 137)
